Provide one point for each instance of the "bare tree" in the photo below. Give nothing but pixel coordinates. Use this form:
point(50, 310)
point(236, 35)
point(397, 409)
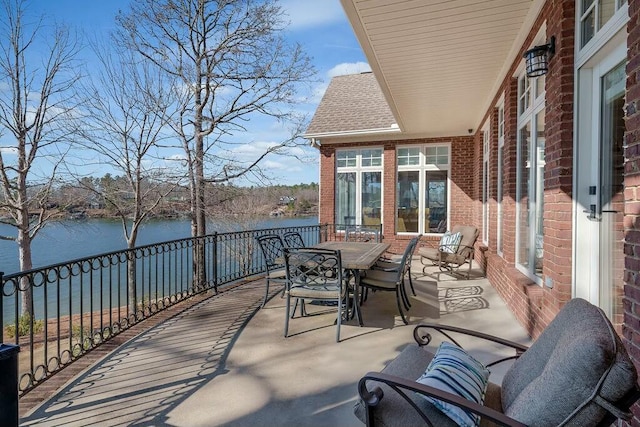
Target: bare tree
point(125, 127)
point(37, 76)
point(234, 64)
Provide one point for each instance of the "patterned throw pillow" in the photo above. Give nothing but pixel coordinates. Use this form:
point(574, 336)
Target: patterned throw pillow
point(450, 242)
point(453, 370)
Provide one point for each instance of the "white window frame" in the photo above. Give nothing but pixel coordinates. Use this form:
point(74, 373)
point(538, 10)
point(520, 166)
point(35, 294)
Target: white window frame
point(528, 116)
point(602, 34)
point(486, 190)
point(421, 168)
point(358, 169)
point(500, 181)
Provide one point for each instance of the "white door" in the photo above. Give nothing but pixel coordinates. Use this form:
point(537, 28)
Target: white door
point(599, 183)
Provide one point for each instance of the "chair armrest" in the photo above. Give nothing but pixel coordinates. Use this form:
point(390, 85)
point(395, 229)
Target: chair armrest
point(371, 398)
point(423, 338)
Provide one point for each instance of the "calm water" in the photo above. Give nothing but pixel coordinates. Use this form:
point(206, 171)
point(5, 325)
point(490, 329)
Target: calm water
point(69, 240)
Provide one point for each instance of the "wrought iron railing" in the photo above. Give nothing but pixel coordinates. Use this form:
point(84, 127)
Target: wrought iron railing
point(78, 305)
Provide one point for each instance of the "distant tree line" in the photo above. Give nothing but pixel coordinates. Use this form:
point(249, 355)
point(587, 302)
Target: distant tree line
point(110, 196)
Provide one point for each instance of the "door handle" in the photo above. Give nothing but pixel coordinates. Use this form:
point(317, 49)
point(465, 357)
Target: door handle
point(591, 211)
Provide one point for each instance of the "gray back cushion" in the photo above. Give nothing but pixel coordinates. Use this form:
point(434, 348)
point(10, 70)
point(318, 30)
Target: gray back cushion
point(578, 357)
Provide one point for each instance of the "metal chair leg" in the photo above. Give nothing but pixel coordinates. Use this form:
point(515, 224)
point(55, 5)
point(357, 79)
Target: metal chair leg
point(413, 291)
point(400, 308)
point(286, 317)
point(266, 295)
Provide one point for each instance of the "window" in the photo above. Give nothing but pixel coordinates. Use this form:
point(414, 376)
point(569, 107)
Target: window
point(422, 190)
point(359, 187)
point(485, 185)
point(530, 177)
point(500, 177)
point(594, 15)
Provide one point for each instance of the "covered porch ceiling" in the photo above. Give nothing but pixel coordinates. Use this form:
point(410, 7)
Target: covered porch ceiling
point(440, 62)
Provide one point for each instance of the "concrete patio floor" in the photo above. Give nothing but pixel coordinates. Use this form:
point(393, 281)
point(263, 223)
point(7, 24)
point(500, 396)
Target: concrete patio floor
point(225, 362)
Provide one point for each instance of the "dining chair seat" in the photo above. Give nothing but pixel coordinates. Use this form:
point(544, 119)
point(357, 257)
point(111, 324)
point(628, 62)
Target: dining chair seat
point(306, 291)
point(389, 265)
point(280, 273)
point(383, 280)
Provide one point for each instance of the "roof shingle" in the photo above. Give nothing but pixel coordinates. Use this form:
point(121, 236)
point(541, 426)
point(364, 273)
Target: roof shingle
point(351, 103)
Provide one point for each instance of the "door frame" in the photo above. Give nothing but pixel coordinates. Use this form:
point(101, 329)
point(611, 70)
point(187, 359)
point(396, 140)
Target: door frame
point(587, 134)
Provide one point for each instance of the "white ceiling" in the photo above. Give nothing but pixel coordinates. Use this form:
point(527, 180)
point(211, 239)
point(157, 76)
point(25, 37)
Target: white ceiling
point(440, 62)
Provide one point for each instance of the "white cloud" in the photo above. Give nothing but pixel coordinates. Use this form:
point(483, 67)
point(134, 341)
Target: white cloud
point(254, 149)
point(176, 157)
point(349, 68)
point(308, 14)
point(9, 150)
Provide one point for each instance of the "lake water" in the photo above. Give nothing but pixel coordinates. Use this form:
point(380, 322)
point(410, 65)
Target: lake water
point(67, 240)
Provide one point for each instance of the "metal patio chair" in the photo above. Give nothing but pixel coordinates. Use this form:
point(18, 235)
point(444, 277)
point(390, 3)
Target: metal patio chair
point(293, 239)
point(392, 281)
point(273, 251)
point(359, 233)
point(314, 274)
point(393, 262)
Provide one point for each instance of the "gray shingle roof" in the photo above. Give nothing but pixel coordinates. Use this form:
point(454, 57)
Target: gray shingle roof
point(351, 103)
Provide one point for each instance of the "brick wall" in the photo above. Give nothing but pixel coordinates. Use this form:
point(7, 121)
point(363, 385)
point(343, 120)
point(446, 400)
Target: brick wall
point(463, 184)
point(535, 306)
point(631, 301)
point(326, 202)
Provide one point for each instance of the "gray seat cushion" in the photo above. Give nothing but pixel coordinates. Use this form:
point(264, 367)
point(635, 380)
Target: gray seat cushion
point(393, 410)
point(578, 357)
point(430, 253)
point(436, 256)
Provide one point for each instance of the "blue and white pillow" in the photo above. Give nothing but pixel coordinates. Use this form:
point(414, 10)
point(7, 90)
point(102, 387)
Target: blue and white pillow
point(453, 370)
point(449, 242)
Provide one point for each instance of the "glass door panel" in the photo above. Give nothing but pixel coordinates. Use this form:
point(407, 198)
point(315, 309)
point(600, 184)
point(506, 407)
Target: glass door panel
point(611, 200)
point(408, 201)
point(435, 218)
point(371, 198)
point(346, 198)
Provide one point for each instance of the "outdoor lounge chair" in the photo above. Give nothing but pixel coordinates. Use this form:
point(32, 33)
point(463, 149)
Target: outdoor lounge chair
point(451, 256)
point(576, 373)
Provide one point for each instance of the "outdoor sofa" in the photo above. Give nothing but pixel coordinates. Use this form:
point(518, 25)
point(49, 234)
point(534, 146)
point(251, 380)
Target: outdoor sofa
point(577, 373)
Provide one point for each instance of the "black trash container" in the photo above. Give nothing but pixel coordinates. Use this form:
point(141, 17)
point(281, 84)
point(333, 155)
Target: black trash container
point(9, 384)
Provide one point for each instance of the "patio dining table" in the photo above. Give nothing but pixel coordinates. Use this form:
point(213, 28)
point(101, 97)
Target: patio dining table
point(356, 256)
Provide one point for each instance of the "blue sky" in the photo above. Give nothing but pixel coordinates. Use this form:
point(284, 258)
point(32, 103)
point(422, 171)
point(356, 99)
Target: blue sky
point(320, 26)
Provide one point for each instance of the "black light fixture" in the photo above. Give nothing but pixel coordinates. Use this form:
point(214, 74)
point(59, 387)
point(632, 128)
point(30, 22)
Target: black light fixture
point(537, 58)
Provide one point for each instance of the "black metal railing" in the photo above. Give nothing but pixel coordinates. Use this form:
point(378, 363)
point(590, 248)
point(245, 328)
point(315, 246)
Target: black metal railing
point(79, 304)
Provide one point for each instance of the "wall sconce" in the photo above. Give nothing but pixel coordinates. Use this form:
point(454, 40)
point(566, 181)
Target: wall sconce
point(537, 58)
